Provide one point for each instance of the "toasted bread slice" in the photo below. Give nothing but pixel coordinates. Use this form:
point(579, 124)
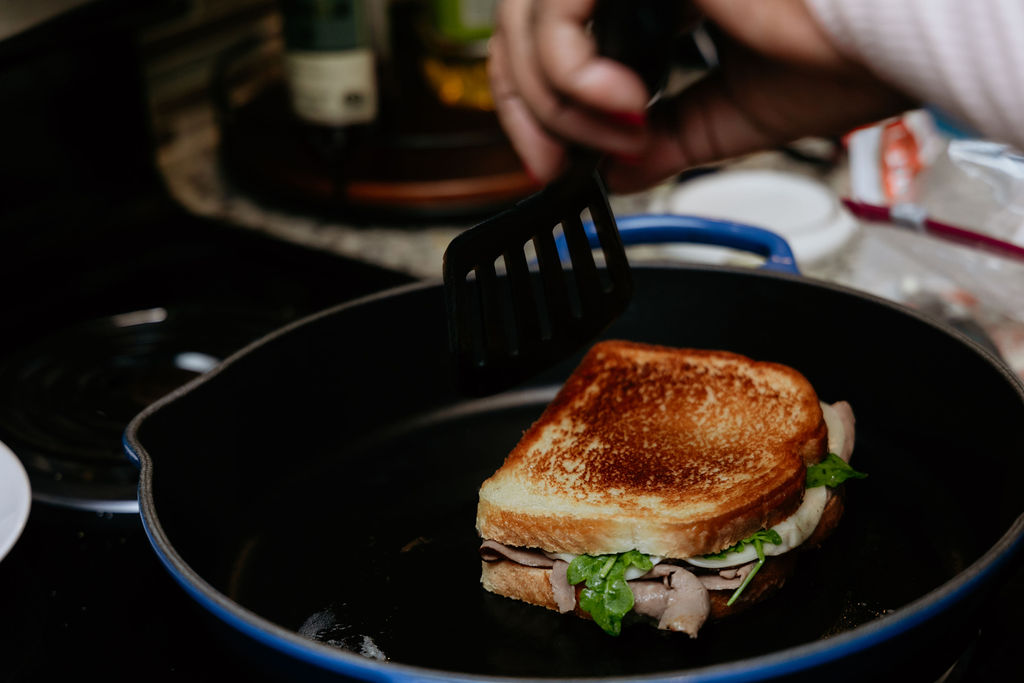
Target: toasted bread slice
point(672, 452)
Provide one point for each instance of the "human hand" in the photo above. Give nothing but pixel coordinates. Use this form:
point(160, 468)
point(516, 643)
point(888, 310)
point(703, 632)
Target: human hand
point(780, 78)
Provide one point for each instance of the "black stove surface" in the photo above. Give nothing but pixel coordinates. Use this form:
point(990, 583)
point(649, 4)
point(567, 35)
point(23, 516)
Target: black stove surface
point(97, 324)
point(89, 597)
point(86, 599)
point(100, 325)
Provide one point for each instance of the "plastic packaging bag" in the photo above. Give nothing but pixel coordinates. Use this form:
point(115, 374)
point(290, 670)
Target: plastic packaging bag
point(974, 184)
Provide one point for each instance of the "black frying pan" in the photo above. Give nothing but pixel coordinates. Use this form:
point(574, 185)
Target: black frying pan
point(317, 492)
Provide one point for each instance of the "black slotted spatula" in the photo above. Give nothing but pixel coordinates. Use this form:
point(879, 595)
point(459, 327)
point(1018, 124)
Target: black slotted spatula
point(513, 313)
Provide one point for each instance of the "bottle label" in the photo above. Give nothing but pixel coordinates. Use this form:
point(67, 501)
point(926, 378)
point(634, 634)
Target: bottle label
point(465, 20)
point(333, 88)
point(476, 15)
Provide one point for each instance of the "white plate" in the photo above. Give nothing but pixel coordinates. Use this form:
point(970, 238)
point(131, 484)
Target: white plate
point(15, 499)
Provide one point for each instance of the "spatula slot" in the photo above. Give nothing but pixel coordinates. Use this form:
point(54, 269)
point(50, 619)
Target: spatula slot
point(530, 251)
point(566, 282)
point(600, 259)
point(587, 279)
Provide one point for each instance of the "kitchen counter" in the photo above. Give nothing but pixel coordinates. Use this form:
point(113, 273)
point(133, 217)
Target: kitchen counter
point(195, 176)
point(881, 259)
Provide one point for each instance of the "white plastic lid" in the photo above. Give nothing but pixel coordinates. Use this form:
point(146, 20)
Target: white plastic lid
point(803, 211)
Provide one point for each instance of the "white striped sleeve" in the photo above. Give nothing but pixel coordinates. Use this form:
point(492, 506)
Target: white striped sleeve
point(965, 57)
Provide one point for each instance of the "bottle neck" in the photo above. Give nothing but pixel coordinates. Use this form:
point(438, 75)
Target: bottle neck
point(325, 25)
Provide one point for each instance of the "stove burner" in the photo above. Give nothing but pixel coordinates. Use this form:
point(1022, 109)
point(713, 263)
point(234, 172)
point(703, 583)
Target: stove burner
point(66, 399)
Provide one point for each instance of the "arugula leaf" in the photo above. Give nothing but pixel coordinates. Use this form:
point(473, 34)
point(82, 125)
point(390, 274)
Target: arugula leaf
point(584, 567)
point(764, 535)
point(756, 539)
point(759, 547)
point(607, 597)
point(831, 472)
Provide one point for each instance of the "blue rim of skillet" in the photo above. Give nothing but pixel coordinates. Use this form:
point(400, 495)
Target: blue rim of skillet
point(777, 664)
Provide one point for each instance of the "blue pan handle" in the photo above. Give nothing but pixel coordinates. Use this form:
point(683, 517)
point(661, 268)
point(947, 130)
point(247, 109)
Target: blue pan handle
point(669, 228)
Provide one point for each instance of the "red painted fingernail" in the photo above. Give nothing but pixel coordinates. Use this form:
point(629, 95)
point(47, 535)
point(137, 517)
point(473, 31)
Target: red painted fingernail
point(628, 159)
point(630, 118)
point(529, 172)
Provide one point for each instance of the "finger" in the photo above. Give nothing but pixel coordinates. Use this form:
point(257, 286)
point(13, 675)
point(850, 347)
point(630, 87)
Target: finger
point(700, 127)
point(556, 111)
point(542, 155)
point(569, 58)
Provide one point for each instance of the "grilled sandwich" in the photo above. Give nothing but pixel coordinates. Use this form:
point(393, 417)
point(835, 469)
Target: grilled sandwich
point(673, 484)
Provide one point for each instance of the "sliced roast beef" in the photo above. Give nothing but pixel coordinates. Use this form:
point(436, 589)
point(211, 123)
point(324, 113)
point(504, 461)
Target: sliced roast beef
point(565, 595)
point(688, 604)
point(675, 596)
point(729, 578)
point(492, 551)
point(650, 598)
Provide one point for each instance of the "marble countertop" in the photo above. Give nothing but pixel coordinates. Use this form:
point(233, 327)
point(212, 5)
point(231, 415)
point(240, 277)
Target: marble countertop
point(886, 261)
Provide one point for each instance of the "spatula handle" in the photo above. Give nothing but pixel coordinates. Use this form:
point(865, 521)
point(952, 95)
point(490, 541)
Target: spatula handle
point(642, 34)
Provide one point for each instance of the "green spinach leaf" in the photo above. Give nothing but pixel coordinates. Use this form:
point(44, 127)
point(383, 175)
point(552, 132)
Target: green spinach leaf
point(606, 596)
point(831, 472)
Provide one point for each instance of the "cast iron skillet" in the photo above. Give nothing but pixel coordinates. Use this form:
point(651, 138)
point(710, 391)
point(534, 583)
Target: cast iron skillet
point(317, 492)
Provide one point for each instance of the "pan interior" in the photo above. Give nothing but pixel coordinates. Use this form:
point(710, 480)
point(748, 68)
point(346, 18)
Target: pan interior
point(327, 481)
point(376, 552)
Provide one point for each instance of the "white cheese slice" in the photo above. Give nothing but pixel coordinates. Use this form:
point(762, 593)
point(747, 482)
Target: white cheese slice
point(796, 528)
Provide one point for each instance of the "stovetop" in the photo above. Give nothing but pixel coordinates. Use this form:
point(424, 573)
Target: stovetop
point(152, 304)
point(90, 597)
point(82, 592)
point(113, 295)
point(99, 324)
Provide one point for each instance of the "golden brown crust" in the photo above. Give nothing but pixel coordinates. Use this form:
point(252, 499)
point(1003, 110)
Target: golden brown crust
point(519, 582)
point(673, 452)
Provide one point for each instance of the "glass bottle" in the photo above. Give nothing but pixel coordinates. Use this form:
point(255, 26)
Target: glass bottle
point(455, 63)
point(329, 64)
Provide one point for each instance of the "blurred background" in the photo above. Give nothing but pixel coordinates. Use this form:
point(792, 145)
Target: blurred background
point(180, 177)
point(239, 122)
point(229, 103)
